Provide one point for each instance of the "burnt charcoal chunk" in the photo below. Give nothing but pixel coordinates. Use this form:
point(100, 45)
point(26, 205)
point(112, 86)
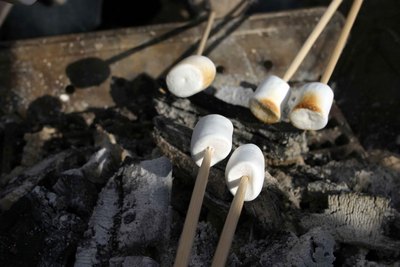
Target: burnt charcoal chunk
point(146, 203)
point(77, 191)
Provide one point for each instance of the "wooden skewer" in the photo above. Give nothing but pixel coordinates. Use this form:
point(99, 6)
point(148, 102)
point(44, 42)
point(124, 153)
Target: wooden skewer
point(225, 241)
point(192, 217)
point(206, 33)
point(311, 39)
point(355, 8)
point(301, 114)
point(182, 80)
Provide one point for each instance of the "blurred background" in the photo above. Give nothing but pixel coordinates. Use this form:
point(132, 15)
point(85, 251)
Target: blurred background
point(55, 17)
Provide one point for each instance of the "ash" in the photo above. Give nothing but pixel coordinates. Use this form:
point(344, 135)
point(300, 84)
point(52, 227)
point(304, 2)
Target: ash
point(111, 187)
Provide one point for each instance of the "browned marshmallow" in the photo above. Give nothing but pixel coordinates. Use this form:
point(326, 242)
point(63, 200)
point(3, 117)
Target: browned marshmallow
point(311, 109)
point(267, 99)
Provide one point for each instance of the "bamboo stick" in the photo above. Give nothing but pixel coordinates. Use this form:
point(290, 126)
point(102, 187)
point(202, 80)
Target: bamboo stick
point(206, 33)
point(228, 232)
point(311, 39)
point(355, 8)
point(192, 217)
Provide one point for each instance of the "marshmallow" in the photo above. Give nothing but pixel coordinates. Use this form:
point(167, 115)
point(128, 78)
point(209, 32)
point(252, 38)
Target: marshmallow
point(246, 160)
point(191, 75)
point(214, 131)
point(311, 109)
point(267, 99)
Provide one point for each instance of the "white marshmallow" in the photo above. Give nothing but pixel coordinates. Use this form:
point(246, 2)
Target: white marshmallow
point(213, 131)
point(191, 75)
point(311, 109)
point(267, 99)
point(246, 160)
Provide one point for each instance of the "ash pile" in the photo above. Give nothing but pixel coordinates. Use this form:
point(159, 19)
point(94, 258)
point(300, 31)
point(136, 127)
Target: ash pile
point(111, 187)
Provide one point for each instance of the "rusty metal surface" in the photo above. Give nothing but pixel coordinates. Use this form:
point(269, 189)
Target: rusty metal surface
point(244, 46)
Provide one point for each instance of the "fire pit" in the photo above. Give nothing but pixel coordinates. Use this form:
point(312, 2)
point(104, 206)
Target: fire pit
point(97, 171)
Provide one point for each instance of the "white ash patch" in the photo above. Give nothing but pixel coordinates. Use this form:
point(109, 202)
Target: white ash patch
point(235, 95)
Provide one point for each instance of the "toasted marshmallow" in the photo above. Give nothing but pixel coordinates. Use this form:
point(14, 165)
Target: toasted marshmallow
point(266, 102)
point(214, 131)
point(311, 109)
point(246, 160)
point(191, 75)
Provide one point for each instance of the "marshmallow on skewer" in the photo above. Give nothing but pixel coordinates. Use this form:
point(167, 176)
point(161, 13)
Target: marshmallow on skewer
point(266, 102)
point(214, 131)
point(246, 160)
point(311, 109)
point(191, 75)
point(194, 73)
point(244, 176)
point(211, 142)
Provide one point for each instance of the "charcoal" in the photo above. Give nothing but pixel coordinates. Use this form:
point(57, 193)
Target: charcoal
point(40, 230)
point(146, 204)
point(33, 150)
point(133, 213)
point(282, 144)
point(100, 166)
point(77, 192)
point(314, 248)
point(12, 130)
point(27, 180)
point(204, 245)
point(95, 247)
point(356, 219)
point(138, 261)
point(63, 229)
